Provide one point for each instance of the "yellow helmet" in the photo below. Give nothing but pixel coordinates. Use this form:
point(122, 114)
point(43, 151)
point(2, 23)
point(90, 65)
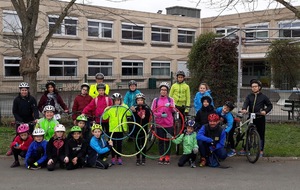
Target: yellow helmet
point(96, 126)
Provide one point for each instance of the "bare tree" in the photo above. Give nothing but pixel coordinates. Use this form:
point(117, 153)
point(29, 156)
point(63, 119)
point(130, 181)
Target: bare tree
point(28, 12)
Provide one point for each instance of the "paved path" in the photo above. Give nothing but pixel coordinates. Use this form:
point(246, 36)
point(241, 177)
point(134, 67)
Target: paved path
point(265, 174)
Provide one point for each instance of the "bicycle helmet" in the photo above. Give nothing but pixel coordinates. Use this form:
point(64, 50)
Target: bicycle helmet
point(207, 98)
point(116, 96)
point(81, 118)
point(75, 129)
point(132, 82)
point(101, 86)
point(85, 85)
point(96, 126)
point(140, 95)
point(213, 117)
point(180, 73)
point(230, 105)
point(165, 84)
point(190, 123)
point(23, 128)
point(59, 127)
point(52, 83)
point(23, 85)
point(38, 131)
point(256, 81)
point(49, 108)
point(99, 76)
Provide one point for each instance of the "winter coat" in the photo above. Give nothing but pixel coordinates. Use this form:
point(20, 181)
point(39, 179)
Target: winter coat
point(197, 100)
point(24, 145)
point(33, 152)
point(25, 109)
point(80, 102)
point(129, 98)
point(180, 92)
point(160, 108)
point(189, 142)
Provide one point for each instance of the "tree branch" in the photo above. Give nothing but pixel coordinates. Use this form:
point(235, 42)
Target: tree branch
point(290, 7)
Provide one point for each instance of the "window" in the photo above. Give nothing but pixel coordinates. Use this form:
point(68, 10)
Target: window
point(68, 27)
point(257, 31)
point(99, 29)
point(186, 36)
point(132, 32)
point(63, 67)
point(132, 68)
point(222, 32)
point(290, 29)
point(160, 68)
point(11, 66)
point(99, 66)
point(11, 22)
point(182, 66)
point(160, 34)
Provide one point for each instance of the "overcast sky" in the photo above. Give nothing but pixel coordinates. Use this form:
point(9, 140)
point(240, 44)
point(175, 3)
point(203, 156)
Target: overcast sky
point(206, 9)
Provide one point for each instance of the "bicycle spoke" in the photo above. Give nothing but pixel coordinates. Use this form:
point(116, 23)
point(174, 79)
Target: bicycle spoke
point(252, 145)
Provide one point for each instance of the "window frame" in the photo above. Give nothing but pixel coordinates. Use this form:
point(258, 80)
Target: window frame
point(63, 25)
point(132, 30)
point(255, 29)
point(160, 68)
point(11, 65)
point(161, 33)
point(227, 30)
point(100, 67)
point(186, 35)
point(100, 27)
point(63, 66)
point(290, 28)
point(9, 28)
point(133, 67)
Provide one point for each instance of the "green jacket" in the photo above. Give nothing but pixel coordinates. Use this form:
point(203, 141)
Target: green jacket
point(115, 114)
point(180, 92)
point(48, 126)
point(189, 142)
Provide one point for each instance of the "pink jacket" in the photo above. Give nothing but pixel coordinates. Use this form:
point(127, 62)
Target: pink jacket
point(166, 122)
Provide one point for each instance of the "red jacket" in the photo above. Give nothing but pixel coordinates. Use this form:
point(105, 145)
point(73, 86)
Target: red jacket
point(80, 102)
point(97, 106)
point(24, 145)
point(44, 101)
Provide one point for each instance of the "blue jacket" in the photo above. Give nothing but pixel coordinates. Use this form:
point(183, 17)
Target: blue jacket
point(197, 100)
point(32, 152)
point(99, 145)
point(202, 136)
point(228, 117)
point(129, 98)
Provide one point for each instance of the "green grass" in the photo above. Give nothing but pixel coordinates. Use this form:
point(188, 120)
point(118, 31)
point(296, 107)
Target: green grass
point(281, 140)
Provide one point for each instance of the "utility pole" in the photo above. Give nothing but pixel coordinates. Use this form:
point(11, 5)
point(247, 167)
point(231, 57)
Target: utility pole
point(240, 74)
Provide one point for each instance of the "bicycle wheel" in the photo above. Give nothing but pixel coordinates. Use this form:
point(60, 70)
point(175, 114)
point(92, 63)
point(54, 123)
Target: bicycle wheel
point(151, 139)
point(252, 145)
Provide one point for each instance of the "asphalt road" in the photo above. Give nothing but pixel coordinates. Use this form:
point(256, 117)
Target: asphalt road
point(265, 174)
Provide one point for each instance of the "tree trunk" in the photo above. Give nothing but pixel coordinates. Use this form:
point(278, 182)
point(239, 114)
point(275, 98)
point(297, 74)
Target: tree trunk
point(29, 66)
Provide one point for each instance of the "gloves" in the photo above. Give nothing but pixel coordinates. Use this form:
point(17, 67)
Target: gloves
point(164, 115)
point(212, 148)
point(35, 164)
point(169, 136)
point(195, 150)
point(167, 104)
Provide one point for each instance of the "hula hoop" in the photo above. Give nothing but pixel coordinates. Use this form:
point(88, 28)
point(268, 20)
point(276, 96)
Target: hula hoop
point(151, 157)
point(140, 150)
point(105, 134)
point(181, 130)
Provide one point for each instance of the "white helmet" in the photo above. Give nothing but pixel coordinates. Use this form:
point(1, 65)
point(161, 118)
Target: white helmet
point(38, 131)
point(59, 127)
point(49, 108)
point(165, 84)
point(116, 96)
point(140, 95)
point(23, 85)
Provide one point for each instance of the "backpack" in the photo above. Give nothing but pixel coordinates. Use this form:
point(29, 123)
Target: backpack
point(106, 99)
point(213, 160)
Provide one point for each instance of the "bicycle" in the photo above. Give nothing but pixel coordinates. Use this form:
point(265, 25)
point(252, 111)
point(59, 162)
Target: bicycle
point(251, 144)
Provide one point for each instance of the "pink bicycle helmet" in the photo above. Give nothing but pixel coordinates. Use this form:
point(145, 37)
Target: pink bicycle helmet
point(23, 128)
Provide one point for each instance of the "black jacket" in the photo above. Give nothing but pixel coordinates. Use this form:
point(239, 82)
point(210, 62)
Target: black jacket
point(202, 115)
point(56, 148)
point(25, 109)
point(76, 148)
point(257, 102)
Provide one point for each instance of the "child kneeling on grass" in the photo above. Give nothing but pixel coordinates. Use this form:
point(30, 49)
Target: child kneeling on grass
point(190, 146)
point(99, 149)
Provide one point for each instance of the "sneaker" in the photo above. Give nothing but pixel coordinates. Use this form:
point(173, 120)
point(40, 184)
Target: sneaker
point(113, 161)
point(137, 163)
point(143, 163)
point(120, 162)
point(15, 164)
point(161, 160)
point(203, 162)
point(242, 153)
point(193, 165)
point(231, 153)
point(261, 154)
point(34, 167)
point(9, 152)
point(167, 160)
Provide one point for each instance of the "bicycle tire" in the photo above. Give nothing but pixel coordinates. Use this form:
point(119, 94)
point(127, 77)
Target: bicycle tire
point(252, 145)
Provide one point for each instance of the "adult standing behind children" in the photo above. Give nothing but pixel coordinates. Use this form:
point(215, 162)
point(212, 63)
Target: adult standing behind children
point(81, 101)
point(203, 91)
point(257, 102)
point(163, 108)
point(52, 97)
point(93, 88)
point(180, 92)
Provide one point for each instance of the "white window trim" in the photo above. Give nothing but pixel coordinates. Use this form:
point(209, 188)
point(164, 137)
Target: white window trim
point(9, 57)
point(101, 60)
point(132, 24)
point(19, 21)
point(156, 67)
point(163, 27)
point(62, 59)
point(102, 21)
point(133, 61)
point(62, 25)
point(187, 29)
point(257, 30)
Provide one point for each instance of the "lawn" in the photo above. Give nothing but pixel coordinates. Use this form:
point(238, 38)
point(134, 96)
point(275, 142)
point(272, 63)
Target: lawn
point(281, 140)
